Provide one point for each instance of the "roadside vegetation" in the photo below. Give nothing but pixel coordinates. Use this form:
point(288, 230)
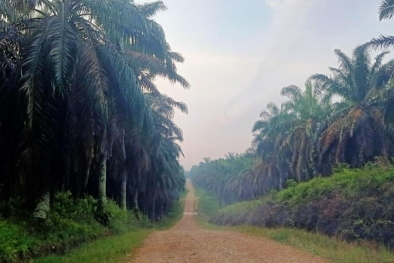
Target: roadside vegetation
point(251, 217)
point(119, 248)
point(336, 250)
point(352, 204)
point(72, 224)
point(112, 249)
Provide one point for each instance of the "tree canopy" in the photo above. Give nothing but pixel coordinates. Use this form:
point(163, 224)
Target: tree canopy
point(79, 110)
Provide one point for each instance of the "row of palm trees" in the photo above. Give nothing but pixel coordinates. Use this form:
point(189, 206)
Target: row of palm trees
point(79, 110)
point(344, 117)
point(220, 177)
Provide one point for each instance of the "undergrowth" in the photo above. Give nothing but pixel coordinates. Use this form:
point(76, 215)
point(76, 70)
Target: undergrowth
point(71, 223)
point(208, 205)
point(336, 250)
point(348, 217)
point(352, 204)
point(119, 248)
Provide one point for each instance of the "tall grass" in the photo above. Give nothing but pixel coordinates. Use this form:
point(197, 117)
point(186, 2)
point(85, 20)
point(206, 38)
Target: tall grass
point(348, 183)
point(118, 248)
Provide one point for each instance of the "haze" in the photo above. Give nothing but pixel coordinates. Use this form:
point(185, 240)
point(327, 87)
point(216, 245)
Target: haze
point(239, 54)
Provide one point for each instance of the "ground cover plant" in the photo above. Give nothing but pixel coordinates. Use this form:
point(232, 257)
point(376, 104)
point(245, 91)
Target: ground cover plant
point(241, 216)
point(120, 247)
point(70, 223)
point(352, 204)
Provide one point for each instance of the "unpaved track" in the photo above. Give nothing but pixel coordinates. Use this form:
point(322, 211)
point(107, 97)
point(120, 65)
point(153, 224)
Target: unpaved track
point(187, 242)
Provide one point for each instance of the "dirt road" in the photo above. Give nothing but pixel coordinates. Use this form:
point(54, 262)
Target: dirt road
point(187, 242)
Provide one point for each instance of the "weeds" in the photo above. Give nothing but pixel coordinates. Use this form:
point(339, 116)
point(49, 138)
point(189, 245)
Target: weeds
point(71, 223)
point(352, 205)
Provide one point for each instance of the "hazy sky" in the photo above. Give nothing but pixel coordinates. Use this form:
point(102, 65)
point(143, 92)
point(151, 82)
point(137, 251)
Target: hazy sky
point(240, 53)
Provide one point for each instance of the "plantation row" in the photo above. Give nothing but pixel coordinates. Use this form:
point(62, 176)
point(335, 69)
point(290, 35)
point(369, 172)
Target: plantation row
point(79, 111)
point(345, 117)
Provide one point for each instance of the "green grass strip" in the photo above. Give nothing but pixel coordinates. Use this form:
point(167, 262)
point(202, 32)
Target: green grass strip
point(109, 249)
point(333, 249)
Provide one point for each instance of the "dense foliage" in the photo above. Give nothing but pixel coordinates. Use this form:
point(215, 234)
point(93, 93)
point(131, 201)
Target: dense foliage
point(352, 204)
point(79, 111)
point(221, 176)
point(70, 223)
point(345, 117)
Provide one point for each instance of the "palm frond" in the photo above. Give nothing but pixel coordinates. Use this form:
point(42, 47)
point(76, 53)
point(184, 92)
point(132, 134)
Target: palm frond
point(150, 9)
point(382, 42)
point(292, 92)
point(345, 62)
point(63, 42)
point(386, 9)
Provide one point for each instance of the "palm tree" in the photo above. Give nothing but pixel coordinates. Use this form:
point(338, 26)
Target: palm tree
point(222, 177)
point(310, 109)
point(355, 133)
point(83, 102)
point(273, 128)
point(11, 113)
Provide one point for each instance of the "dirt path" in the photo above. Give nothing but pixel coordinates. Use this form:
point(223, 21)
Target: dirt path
point(187, 242)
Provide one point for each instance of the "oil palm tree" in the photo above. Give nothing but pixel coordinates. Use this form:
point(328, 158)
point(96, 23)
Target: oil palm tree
point(353, 134)
point(269, 141)
point(87, 71)
point(310, 109)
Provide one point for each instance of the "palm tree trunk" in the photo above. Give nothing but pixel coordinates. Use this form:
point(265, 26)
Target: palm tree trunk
point(102, 194)
point(153, 207)
point(123, 190)
point(136, 200)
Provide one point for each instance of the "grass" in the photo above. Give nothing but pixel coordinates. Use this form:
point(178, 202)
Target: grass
point(207, 204)
point(241, 207)
point(110, 249)
point(207, 207)
point(70, 224)
point(13, 241)
point(353, 204)
point(117, 248)
point(337, 251)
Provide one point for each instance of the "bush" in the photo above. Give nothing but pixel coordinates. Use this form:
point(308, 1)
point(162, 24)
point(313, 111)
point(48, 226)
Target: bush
point(14, 242)
point(71, 222)
point(354, 204)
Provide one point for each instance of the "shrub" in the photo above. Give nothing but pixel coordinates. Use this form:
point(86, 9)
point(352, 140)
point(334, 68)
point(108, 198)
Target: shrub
point(14, 242)
point(70, 223)
point(354, 204)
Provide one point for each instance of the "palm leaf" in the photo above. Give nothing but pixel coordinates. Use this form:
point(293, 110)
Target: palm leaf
point(382, 42)
point(386, 9)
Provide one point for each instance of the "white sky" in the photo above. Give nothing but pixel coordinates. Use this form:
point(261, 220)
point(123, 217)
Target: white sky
point(239, 54)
